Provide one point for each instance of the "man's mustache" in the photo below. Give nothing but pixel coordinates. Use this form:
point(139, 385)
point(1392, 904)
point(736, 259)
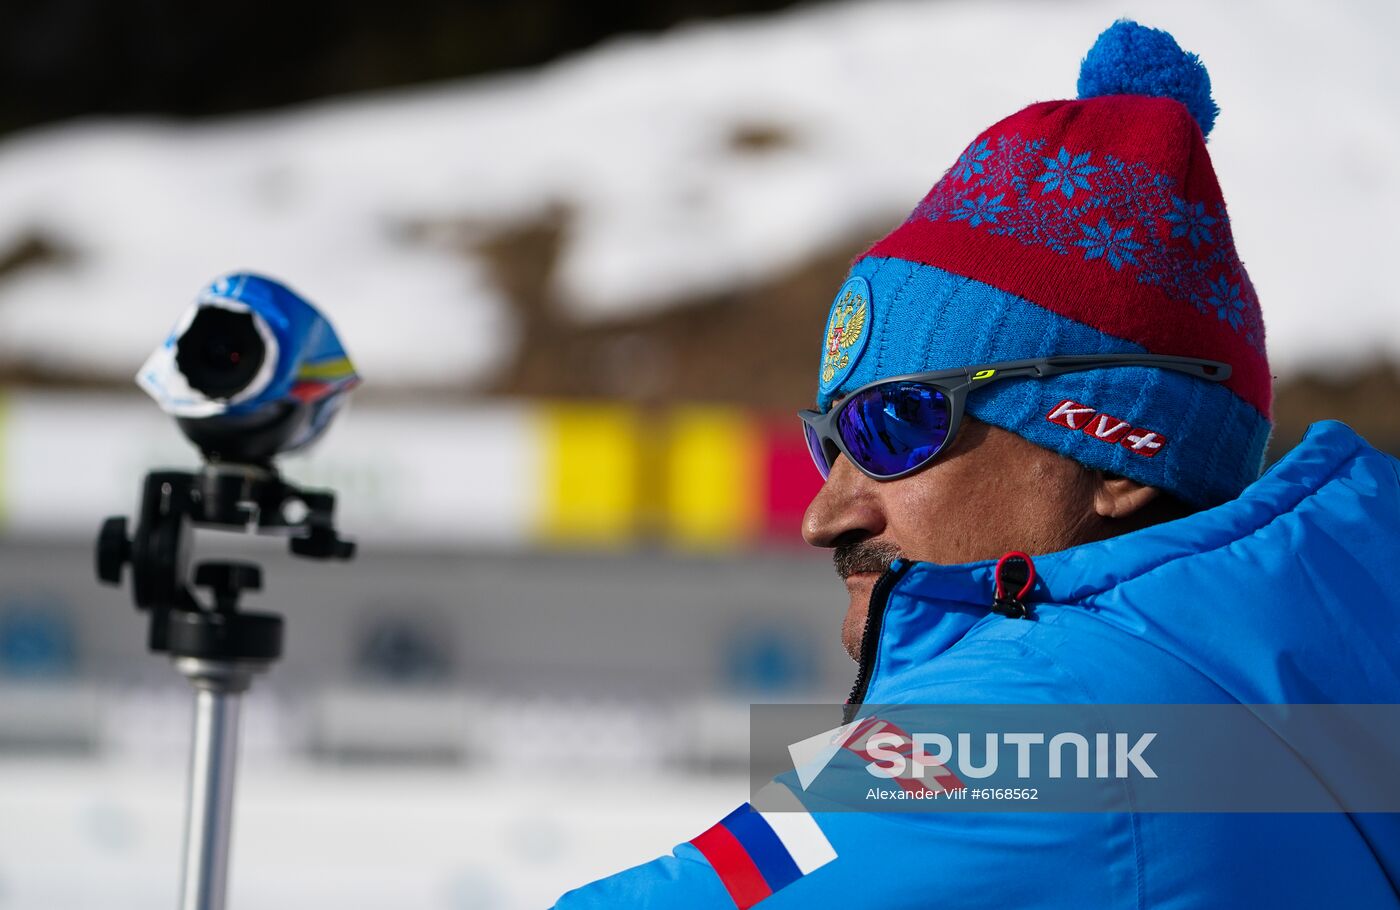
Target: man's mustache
point(865, 556)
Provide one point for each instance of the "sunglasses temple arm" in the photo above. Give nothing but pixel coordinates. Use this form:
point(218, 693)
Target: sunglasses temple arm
point(1216, 372)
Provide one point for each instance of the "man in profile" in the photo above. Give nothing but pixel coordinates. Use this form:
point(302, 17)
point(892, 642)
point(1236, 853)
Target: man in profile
point(1060, 354)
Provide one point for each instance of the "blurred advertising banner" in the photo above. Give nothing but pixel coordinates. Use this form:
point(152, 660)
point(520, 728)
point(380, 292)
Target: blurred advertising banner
point(520, 474)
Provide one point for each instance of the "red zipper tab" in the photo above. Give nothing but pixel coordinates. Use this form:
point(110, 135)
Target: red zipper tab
point(1014, 570)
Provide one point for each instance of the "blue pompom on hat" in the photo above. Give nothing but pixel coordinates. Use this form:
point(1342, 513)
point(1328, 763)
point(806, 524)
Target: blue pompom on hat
point(1132, 59)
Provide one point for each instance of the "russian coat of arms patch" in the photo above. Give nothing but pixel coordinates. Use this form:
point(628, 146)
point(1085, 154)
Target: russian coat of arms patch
point(847, 328)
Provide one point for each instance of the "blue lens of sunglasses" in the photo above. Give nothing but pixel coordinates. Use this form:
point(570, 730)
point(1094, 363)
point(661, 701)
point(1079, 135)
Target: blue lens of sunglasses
point(894, 427)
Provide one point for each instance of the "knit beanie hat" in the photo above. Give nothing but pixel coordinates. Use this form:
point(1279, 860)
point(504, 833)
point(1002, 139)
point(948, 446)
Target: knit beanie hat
point(1092, 226)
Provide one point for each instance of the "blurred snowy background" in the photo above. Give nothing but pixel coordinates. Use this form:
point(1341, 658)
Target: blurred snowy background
point(582, 258)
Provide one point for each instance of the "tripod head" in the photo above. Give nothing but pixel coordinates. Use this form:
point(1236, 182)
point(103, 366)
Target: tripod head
point(228, 497)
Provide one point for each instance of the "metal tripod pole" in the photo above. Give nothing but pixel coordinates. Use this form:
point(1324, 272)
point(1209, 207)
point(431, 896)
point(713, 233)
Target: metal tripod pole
point(219, 687)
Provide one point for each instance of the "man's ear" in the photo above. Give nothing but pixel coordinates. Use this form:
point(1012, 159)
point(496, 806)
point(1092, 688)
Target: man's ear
point(1118, 497)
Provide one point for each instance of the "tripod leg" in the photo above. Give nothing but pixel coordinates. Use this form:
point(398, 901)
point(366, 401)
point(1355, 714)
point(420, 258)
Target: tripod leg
point(209, 811)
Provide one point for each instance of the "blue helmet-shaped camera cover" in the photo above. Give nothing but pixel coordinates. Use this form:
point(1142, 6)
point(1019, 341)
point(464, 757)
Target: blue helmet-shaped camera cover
point(248, 354)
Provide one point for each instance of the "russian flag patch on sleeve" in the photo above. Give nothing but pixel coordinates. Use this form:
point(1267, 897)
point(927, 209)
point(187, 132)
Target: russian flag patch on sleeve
point(758, 853)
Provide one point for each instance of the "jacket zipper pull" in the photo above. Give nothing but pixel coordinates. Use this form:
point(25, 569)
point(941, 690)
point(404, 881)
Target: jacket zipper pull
point(1014, 571)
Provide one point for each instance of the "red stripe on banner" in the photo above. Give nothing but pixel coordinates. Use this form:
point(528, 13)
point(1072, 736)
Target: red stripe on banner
point(790, 479)
point(736, 870)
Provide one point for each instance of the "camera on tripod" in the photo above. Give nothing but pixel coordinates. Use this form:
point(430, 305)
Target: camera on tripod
point(250, 371)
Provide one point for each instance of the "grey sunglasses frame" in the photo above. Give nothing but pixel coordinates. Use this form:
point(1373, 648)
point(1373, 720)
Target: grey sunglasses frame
point(957, 384)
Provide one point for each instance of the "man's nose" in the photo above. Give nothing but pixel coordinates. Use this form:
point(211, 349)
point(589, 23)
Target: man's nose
point(845, 510)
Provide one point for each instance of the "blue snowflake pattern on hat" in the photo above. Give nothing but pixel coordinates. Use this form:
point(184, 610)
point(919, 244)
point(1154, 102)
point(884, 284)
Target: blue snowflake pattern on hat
point(1147, 216)
point(1114, 245)
point(969, 163)
point(1190, 220)
point(976, 211)
point(1066, 174)
point(1227, 300)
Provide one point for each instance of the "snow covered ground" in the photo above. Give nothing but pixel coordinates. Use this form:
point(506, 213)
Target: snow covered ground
point(633, 140)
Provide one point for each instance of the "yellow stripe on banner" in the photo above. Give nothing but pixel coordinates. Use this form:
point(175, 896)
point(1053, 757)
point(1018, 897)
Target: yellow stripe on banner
point(592, 474)
point(712, 481)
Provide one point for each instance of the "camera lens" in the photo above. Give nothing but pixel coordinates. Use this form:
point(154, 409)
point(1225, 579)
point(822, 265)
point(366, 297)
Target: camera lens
point(221, 352)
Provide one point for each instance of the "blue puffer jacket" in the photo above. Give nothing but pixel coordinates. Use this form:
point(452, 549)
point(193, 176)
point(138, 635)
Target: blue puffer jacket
point(1288, 594)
